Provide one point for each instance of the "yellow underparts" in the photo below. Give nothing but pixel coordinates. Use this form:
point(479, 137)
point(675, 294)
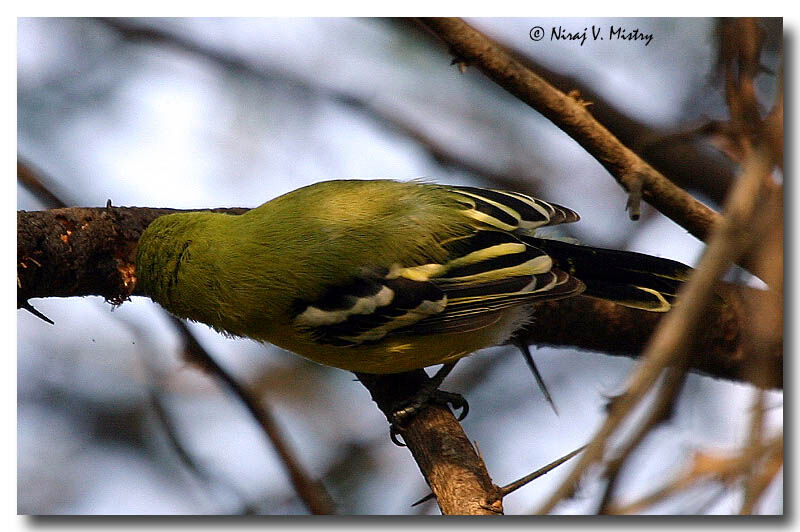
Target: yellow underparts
point(395, 354)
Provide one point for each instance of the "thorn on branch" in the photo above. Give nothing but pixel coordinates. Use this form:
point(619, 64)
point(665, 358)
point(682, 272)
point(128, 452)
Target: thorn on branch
point(27, 306)
point(634, 203)
point(526, 354)
point(426, 498)
point(460, 62)
point(394, 432)
point(517, 484)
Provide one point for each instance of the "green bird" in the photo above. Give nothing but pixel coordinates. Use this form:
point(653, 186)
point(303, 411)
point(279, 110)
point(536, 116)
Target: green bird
point(383, 276)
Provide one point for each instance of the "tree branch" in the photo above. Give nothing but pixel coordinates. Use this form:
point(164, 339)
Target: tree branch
point(85, 251)
point(82, 251)
point(570, 114)
point(673, 340)
point(90, 251)
point(453, 469)
point(515, 178)
point(681, 155)
point(719, 350)
point(311, 492)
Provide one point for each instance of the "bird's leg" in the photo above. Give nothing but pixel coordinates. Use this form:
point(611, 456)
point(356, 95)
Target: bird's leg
point(429, 393)
point(526, 353)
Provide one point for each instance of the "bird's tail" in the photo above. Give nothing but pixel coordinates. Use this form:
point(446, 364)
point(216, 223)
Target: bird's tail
point(625, 277)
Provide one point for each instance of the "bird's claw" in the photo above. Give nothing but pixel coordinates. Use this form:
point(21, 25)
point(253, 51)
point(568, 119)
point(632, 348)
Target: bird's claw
point(453, 400)
point(402, 415)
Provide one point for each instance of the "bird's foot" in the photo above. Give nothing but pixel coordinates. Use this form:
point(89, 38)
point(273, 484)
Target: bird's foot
point(411, 408)
point(428, 394)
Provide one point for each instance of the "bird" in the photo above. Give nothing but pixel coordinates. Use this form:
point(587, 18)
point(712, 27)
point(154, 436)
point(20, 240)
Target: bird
point(385, 276)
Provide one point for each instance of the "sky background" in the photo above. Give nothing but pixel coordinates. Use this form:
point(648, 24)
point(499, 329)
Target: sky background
point(260, 107)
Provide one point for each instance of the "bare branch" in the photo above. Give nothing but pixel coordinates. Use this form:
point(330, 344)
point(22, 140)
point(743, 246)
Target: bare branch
point(570, 114)
point(660, 412)
point(706, 467)
point(448, 461)
point(312, 493)
point(30, 179)
point(515, 179)
point(601, 326)
point(674, 337)
point(681, 157)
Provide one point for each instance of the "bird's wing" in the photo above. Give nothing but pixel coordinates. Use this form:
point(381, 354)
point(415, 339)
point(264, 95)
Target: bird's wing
point(486, 272)
point(511, 211)
point(369, 307)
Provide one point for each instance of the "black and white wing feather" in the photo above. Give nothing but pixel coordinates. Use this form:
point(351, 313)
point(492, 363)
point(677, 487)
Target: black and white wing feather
point(490, 271)
point(369, 307)
point(486, 272)
point(512, 211)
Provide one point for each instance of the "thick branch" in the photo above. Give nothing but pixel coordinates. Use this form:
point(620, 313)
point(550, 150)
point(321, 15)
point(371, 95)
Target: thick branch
point(89, 251)
point(81, 251)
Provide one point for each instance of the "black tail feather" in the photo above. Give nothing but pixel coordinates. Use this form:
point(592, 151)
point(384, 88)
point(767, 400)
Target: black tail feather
point(625, 277)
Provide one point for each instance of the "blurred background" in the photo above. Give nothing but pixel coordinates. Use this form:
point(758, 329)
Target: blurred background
point(196, 113)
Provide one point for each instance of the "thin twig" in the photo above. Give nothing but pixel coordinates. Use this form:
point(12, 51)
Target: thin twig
point(733, 237)
point(393, 121)
point(32, 180)
point(676, 331)
point(712, 468)
point(752, 489)
point(740, 55)
point(684, 159)
point(311, 492)
point(660, 412)
point(171, 432)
